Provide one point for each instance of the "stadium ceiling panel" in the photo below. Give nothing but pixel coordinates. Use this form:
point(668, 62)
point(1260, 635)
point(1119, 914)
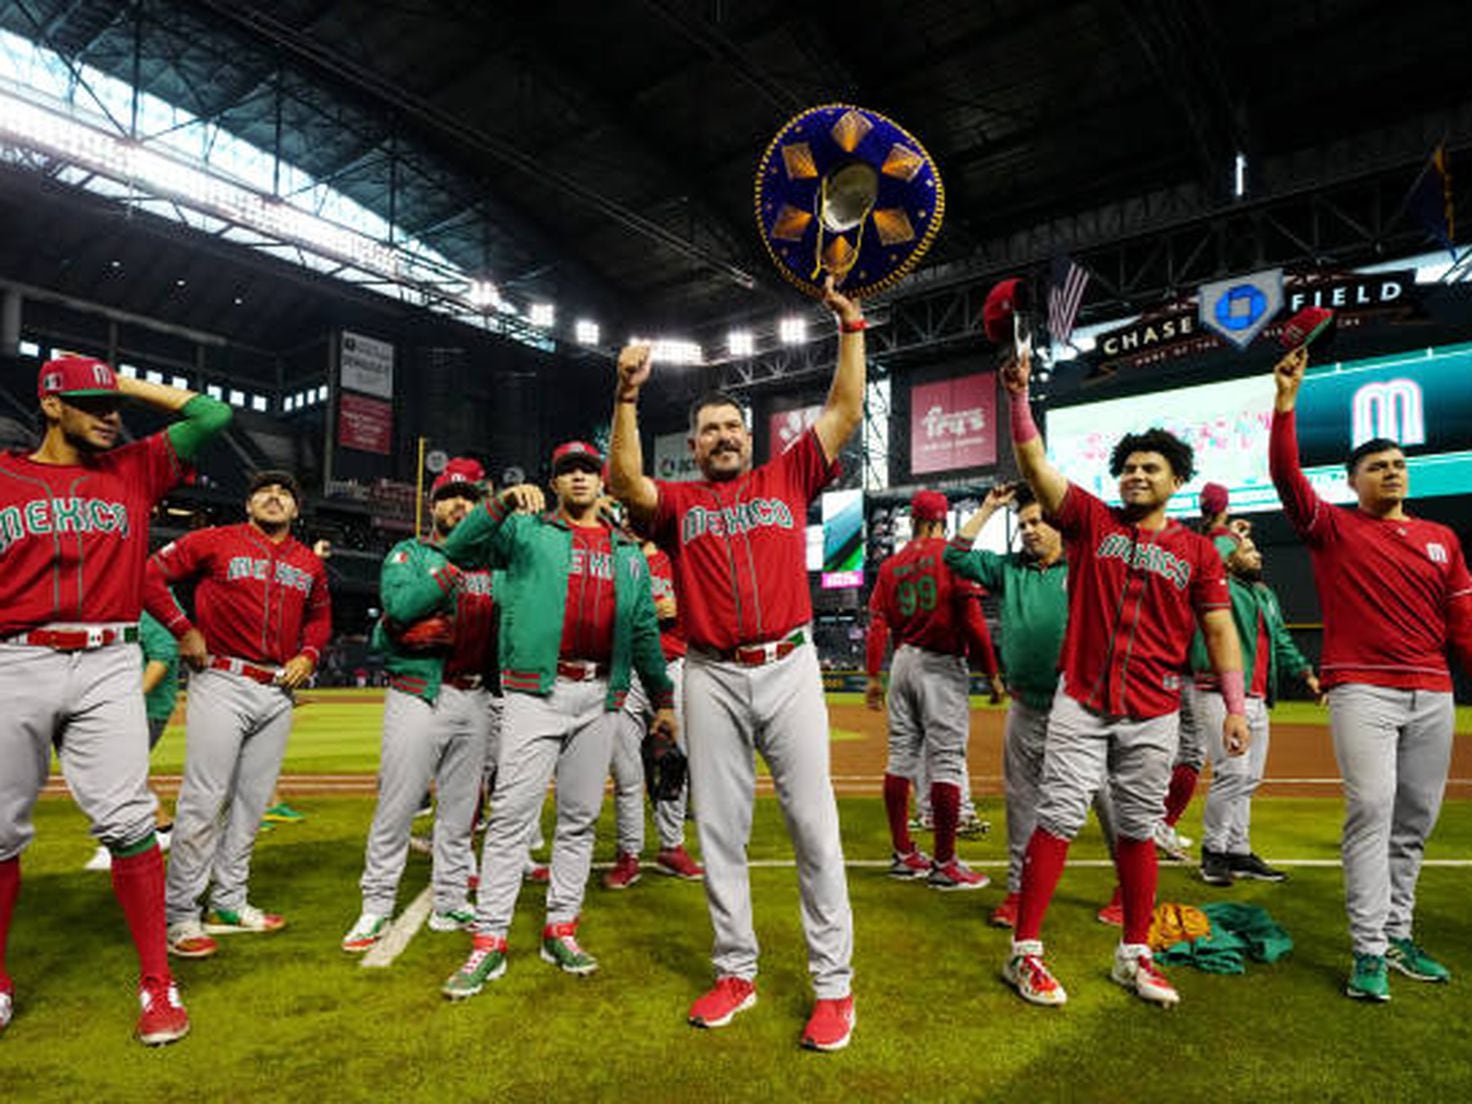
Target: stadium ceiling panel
point(599, 157)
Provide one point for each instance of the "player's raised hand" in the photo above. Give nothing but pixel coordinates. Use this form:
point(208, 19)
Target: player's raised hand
point(635, 362)
point(193, 651)
point(847, 309)
point(1017, 370)
point(1236, 735)
point(1001, 494)
point(1288, 372)
point(526, 498)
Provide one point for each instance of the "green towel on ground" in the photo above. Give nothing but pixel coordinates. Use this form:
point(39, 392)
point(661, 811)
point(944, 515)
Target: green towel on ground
point(1238, 932)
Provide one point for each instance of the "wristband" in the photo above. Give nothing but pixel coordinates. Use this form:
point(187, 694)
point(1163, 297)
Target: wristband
point(1234, 692)
point(858, 325)
point(1024, 429)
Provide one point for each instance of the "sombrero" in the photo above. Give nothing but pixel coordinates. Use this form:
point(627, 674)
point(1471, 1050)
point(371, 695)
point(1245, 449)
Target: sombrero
point(847, 191)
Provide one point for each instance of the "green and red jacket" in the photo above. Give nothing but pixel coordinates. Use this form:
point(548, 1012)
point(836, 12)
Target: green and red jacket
point(417, 581)
point(1251, 601)
point(534, 553)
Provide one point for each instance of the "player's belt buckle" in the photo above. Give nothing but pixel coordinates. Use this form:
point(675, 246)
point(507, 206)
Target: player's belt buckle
point(759, 655)
point(466, 682)
point(580, 670)
point(97, 637)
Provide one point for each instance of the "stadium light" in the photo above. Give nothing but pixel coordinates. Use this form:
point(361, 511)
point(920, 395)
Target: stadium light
point(586, 332)
point(543, 315)
point(483, 294)
point(793, 330)
point(670, 350)
point(1240, 176)
point(740, 343)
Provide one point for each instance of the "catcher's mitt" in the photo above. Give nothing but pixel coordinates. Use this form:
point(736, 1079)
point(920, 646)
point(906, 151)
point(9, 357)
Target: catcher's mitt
point(665, 767)
point(425, 635)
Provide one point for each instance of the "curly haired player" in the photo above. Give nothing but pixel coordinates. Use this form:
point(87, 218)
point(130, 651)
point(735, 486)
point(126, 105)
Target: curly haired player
point(73, 543)
point(1395, 594)
point(1138, 584)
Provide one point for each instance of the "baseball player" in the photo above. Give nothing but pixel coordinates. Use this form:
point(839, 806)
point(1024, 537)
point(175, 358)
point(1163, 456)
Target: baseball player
point(264, 617)
point(1138, 583)
point(1267, 649)
point(438, 638)
point(73, 542)
point(565, 679)
point(1395, 594)
point(934, 618)
point(752, 682)
point(628, 764)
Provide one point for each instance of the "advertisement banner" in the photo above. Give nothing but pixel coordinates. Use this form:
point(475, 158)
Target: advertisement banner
point(672, 459)
point(364, 424)
point(953, 424)
point(786, 427)
point(366, 365)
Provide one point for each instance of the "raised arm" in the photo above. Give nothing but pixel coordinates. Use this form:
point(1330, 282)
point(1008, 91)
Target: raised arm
point(1046, 481)
point(844, 407)
point(1300, 502)
point(204, 418)
point(626, 479)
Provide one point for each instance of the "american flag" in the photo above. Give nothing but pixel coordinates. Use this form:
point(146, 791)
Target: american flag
point(1065, 292)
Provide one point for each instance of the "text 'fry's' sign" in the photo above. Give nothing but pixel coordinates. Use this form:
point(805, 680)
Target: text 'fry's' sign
point(953, 424)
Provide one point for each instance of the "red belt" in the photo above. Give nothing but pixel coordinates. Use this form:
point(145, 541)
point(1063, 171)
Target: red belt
point(82, 638)
point(465, 682)
point(266, 676)
point(581, 670)
point(759, 655)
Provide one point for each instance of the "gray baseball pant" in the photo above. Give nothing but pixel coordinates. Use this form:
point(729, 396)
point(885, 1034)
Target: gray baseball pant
point(627, 766)
point(1394, 749)
point(776, 709)
point(1226, 818)
point(1087, 751)
point(89, 705)
point(235, 737)
point(929, 716)
point(568, 733)
point(1024, 738)
point(445, 741)
point(1196, 730)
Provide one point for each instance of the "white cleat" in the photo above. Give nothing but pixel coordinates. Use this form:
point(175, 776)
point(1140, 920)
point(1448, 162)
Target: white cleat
point(1135, 970)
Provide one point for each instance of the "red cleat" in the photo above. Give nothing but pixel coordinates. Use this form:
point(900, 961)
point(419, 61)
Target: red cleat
point(163, 1019)
point(625, 872)
point(717, 1008)
point(676, 861)
point(1005, 914)
point(831, 1025)
point(1113, 912)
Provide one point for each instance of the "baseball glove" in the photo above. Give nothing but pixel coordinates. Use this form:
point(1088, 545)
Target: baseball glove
point(425, 635)
point(665, 767)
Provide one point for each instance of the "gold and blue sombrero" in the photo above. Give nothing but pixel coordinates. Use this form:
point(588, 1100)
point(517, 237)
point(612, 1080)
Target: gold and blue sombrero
point(847, 191)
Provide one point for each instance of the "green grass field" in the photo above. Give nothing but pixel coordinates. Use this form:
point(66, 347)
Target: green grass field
point(289, 1016)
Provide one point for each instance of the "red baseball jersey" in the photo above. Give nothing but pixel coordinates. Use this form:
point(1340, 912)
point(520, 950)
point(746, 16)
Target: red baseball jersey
point(1393, 592)
point(587, 619)
point(74, 538)
point(739, 548)
point(662, 584)
point(919, 600)
point(476, 620)
point(257, 599)
point(1134, 597)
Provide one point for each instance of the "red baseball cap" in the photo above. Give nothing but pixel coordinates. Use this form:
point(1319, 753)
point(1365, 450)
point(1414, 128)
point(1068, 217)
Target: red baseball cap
point(1002, 302)
point(929, 506)
point(576, 454)
point(462, 471)
point(1214, 498)
point(76, 376)
point(1305, 327)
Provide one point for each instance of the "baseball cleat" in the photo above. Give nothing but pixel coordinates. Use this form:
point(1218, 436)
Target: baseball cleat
point(367, 930)
point(560, 947)
point(247, 918)
point(1413, 961)
point(282, 813)
point(421, 845)
point(831, 1025)
point(719, 1007)
point(1370, 981)
point(101, 859)
point(1251, 866)
point(7, 1008)
point(535, 873)
point(1137, 972)
point(163, 1018)
point(487, 962)
point(676, 861)
point(1170, 843)
point(456, 919)
point(187, 939)
point(1026, 973)
point(955, 875)
point(970, 825)
point(1112, 913)
point(910, 866)
point(1216, 868)
point(624, 872)
point(1005, 914)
